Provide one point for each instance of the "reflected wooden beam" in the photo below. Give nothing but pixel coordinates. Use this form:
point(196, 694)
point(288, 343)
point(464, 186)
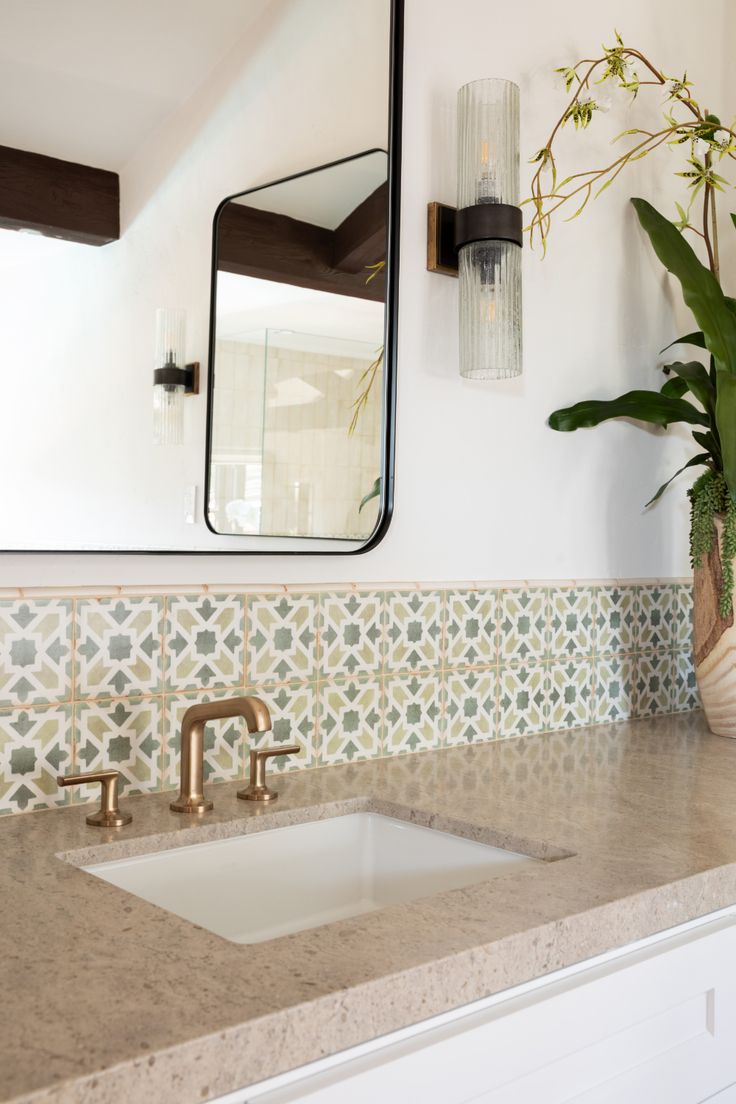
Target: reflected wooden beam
point(276, 247)
point(59, 199)
point(360, 240)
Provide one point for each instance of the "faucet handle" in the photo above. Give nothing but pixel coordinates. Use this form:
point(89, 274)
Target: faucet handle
point(257, 790)
point(108, 815)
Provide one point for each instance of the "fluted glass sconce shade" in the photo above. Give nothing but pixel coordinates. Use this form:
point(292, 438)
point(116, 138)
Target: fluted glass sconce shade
point(489, 253)
point(169, 377)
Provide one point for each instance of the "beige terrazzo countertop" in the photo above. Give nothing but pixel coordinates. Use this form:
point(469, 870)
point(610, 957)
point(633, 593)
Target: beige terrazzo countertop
point(647, 809)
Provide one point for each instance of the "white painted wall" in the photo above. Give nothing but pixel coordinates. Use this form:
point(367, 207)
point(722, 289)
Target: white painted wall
point(484, 489)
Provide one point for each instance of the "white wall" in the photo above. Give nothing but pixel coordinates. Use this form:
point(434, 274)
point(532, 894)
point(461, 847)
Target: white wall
point(484, 489)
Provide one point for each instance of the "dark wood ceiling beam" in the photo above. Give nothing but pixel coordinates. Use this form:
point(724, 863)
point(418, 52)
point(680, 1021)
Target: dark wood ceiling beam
point(275, 247)
point(360, 240)
point(59, 199)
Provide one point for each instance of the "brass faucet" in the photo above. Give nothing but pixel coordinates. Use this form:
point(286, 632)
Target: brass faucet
point(191, 797)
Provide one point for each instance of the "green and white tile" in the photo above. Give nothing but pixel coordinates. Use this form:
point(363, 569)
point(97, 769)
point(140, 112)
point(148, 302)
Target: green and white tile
point(35, 651)
point(413, 621)
point(35, 747)
point(471, 631)
point(654, 683)
point(282, 637)
point(684, 687)
point(225, 740)
point(293, 709)
point(523, 620)
point(682, 605)
point(616, 619)
point(615, 689)
point(118, 647)
point(572, 622)
point(123, 735)
point(413, 719)
point(571, 694)
point(352, 633)
point(656, 618)
point(204, 642)
point(523, 700)
point(351, 721)
point(470, 707)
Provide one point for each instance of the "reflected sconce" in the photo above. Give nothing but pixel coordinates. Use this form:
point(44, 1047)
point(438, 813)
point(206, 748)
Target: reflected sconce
point(480, 240)
point(173, 378)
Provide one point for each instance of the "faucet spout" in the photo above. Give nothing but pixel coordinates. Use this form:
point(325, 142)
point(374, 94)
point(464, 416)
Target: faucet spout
point(254, 712)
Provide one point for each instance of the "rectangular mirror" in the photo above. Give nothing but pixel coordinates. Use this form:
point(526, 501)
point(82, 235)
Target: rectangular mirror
point(285, 445)
point(297, 393)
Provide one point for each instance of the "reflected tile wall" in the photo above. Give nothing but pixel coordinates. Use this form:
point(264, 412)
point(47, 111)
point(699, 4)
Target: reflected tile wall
point(349, 673)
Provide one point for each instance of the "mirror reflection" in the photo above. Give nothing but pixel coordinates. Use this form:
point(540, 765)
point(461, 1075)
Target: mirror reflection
point(296, 402)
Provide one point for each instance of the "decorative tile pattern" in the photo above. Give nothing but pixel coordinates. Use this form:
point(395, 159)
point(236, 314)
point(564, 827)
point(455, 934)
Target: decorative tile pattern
point(124, 735)
point(616, 619)
point(413, 630)
point(282, 638)
point(523, 623)
point(470, 707)
point(656, 617)
point(571, 693)
point(118, 647)
point(35, 651)
point(35, 746)
point(572, 622)
point(615, 687)
point(654, 684)
point(204, 642)
point(413, 711)
point(293, 710)
point(348, 674)
point(471, 628)
point(523, 700)
point(351, 721)
point(352, 633)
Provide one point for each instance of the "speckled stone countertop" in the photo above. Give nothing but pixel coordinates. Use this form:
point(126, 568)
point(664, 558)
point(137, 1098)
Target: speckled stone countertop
point(647, 810)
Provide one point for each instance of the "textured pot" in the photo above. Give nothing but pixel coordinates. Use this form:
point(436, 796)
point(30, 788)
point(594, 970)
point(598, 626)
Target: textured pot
point(714, 639)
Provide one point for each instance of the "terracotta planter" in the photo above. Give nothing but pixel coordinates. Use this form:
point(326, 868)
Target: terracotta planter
point(714, 639)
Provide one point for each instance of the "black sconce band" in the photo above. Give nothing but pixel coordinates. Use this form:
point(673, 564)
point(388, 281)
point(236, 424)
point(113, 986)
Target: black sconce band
point(488, 222)
point(171, 376)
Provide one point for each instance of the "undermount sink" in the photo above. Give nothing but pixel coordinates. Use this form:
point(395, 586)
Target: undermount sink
point(282, 880)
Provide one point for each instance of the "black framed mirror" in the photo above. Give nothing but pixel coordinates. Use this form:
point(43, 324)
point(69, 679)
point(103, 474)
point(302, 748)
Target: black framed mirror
point(300, 397)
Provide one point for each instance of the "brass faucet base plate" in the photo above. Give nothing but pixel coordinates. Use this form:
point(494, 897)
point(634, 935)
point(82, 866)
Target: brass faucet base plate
point(102, 819)
point(257, 793)
point(188, 806)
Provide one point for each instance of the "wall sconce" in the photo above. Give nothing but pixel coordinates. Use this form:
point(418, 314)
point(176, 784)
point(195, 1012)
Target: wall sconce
point(480, 240)
point(172, 377)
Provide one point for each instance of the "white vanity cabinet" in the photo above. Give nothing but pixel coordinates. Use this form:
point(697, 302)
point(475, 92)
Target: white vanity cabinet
point(652, 1024)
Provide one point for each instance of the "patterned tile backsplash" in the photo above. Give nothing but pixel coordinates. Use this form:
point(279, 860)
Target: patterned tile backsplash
point(348, 674)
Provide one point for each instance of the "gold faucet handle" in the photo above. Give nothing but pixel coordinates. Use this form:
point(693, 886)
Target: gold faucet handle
point(108, 815)
point(257, 790)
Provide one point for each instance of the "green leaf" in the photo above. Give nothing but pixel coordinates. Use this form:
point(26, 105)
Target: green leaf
point(726, 425)
point(697, 379)
point(701, 458)
point(643, 406)
point(733, 219)
point(689, 339)
point(373, 493)
point(701, 291)
point(675, 388)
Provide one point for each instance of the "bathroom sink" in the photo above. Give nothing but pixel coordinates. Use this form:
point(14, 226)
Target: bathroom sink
point(281, 880)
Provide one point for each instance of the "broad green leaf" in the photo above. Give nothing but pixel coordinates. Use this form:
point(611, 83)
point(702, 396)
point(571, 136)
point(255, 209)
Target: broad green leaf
point(733, 219)
point(674, 387)
point(700, 289)
point(708, 441)
point(726, 425)
point(373, 493)
point(689, 339)
point(701, 458)
point(697, 379)
point(643, 406)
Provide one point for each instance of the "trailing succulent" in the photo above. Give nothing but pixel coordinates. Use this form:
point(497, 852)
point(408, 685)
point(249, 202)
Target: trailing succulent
point(703, 397)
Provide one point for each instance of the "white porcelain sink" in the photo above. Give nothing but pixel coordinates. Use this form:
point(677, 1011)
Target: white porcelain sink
point(270, 883)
